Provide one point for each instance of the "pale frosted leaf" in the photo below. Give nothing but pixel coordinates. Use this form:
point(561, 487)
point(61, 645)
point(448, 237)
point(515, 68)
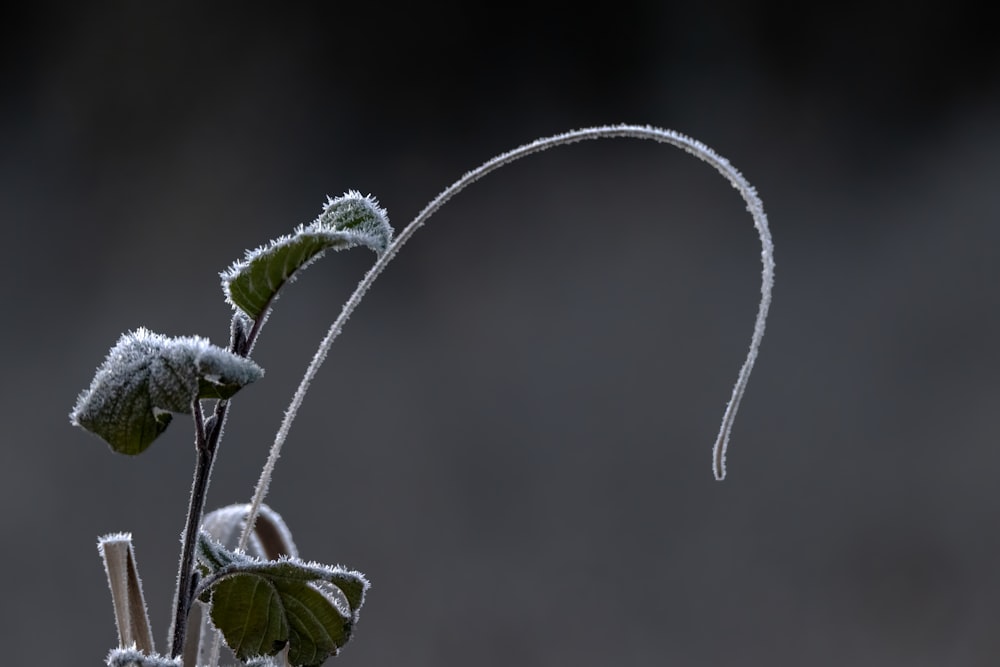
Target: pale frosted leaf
point(132, 657)
point(147, 376)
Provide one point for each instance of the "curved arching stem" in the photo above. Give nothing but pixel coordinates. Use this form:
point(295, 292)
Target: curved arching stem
point(696, 148)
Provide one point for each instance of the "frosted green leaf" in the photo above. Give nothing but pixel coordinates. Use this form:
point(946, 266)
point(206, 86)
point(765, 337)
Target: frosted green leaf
point(146, 376)
point(262, 606)
point(252, 283)
point(212, 556)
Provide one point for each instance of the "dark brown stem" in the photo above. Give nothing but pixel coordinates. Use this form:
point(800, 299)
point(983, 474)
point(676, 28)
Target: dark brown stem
point(205, 444)
point(207, 436)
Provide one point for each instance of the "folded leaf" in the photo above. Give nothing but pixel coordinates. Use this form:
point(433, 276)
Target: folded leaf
point(269, 540)
point(346, 222)
point(147, 376)
point(131, 616)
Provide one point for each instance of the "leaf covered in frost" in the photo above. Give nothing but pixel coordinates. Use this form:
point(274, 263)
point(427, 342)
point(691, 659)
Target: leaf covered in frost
point(262, 606)
point(252, 283)
point(270, 538)
point(147, 376)
point(263, 661)
point(132, 657)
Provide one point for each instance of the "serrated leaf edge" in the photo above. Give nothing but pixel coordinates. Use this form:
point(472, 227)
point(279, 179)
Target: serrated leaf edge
point(242, 563)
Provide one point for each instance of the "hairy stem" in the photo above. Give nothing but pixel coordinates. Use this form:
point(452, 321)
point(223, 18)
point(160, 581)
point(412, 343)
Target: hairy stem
point(205, 451)
point(208, 434)
point(754, 207)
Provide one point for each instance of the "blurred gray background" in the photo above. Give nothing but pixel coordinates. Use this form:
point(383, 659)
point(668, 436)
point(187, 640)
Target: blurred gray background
point(512, 437)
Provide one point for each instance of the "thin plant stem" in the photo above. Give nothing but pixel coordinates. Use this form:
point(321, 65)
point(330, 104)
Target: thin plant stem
point(692, 146)
point(196, 505)
point(208, 435)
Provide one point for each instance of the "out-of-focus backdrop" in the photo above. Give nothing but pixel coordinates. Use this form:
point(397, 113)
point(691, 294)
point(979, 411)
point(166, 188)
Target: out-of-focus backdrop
point(512, 437)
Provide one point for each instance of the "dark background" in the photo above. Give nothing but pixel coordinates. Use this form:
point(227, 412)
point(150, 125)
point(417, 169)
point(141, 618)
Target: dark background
point(512, 437)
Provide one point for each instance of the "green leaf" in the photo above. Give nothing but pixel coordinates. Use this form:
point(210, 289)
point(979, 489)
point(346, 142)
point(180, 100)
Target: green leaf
point(250, 613)
point(146, 376)
point(259, 612)
point(346, 222)
point(262, 606)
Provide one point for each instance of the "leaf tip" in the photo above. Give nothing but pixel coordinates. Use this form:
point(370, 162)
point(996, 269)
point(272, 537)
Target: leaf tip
point(362, 214)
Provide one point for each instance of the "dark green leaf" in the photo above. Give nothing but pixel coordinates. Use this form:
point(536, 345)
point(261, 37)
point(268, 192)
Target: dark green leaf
point(346, 222)
point(260, 606)
point(250, 613)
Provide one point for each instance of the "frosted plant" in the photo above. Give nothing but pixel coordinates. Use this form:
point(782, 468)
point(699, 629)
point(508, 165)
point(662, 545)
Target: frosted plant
point(240, 580)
